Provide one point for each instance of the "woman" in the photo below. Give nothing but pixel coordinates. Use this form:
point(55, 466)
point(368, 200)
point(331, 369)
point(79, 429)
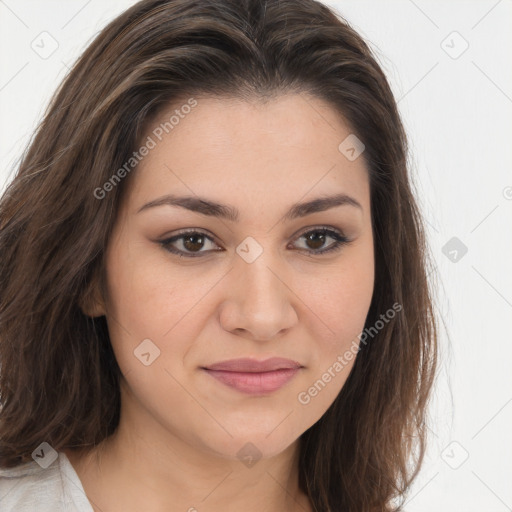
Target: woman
point(213, 273)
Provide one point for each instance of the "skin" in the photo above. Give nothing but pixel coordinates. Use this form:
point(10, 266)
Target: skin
point(180, 429)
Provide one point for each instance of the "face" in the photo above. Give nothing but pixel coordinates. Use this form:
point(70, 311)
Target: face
point(256, 286)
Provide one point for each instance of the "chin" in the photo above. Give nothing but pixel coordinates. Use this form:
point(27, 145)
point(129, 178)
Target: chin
point(250, 445)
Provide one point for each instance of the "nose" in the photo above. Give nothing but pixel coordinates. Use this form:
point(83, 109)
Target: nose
point(260, 303)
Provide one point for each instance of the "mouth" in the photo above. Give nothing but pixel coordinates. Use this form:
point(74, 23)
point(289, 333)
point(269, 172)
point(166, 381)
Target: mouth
point(254, 377)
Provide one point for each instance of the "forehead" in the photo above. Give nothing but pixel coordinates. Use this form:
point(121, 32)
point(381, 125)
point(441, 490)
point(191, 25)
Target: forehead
point(259, 152)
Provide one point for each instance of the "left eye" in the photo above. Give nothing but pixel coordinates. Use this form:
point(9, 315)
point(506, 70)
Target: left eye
point(318, 237)
point(192, 242)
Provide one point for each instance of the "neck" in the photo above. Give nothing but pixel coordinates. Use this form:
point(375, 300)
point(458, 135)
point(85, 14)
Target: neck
point(143, 466)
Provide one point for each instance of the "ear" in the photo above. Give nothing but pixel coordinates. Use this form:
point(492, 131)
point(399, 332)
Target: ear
point(91, 301)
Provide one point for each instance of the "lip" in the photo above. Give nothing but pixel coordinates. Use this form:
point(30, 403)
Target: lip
point(254, 377)
point(248, 365)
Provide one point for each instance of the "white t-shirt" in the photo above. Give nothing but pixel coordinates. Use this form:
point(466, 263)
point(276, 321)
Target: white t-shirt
point(31, 488)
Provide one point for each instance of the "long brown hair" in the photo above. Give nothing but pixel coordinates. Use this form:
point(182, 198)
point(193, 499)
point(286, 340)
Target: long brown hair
point(59, 380)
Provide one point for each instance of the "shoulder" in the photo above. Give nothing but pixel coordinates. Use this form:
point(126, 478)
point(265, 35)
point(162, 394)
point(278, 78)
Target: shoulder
point(30, 487)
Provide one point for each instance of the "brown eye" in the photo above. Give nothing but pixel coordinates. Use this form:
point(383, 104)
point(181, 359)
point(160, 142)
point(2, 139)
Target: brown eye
point(191, 242)
point(315, 239)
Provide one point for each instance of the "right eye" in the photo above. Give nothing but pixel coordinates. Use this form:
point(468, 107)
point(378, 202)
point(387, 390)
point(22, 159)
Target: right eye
point(191, 243)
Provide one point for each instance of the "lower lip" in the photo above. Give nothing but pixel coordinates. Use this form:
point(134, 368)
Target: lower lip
point(255, 383)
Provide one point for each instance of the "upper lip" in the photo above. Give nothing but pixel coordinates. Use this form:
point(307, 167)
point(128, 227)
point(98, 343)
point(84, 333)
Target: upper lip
point(254, 366)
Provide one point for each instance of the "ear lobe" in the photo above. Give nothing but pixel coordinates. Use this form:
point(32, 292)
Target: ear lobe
point(91, 302)
point(92, 307)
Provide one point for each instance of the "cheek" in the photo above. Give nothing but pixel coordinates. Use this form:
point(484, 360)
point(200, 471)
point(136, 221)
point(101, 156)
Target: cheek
point(151, 298)
point(342, 299)
point(341, 305)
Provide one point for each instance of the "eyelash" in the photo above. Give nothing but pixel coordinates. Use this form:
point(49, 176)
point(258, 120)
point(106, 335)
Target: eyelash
point(340, 240)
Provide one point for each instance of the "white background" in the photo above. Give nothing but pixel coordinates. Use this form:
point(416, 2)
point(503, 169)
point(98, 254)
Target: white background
point(458, 114)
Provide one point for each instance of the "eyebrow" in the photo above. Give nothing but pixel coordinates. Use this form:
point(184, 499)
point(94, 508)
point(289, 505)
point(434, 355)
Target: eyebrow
point(214, 209)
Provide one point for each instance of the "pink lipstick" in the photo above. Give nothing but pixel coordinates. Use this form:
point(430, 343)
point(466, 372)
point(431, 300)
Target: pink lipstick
point(254, 377)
